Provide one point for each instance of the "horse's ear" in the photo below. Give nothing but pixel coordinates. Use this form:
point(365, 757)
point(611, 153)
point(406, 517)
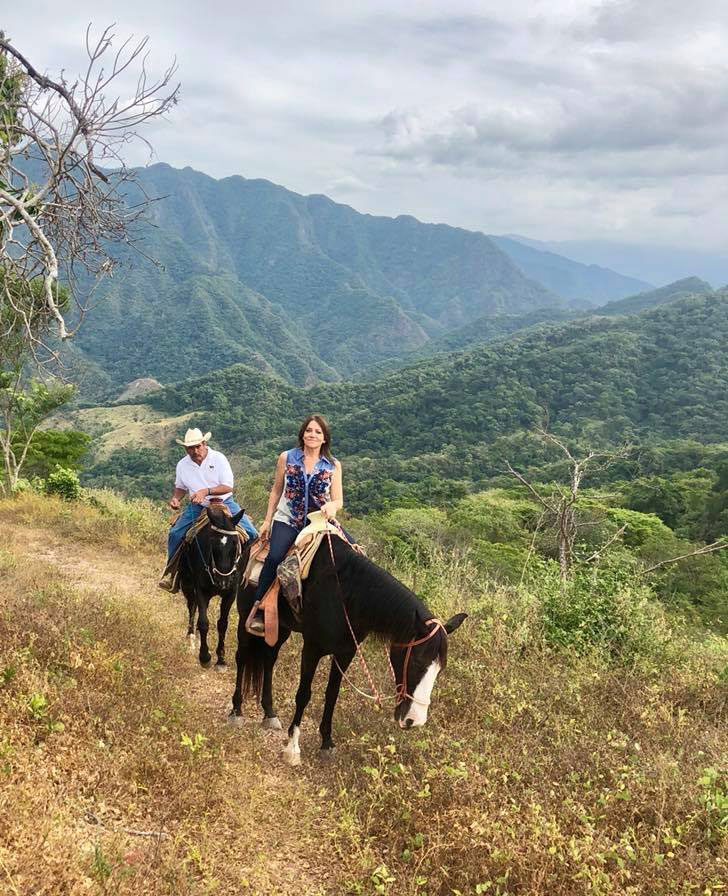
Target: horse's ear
point(238, 517)
point(455, 622)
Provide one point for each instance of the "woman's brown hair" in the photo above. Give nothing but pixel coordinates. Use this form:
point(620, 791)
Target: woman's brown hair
point(326, 446)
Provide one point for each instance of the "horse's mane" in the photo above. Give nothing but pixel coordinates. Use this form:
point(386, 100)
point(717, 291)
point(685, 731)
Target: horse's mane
point(390, 608)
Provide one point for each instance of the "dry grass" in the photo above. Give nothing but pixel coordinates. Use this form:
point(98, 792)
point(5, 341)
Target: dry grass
point(538, 772)
point(116, 426)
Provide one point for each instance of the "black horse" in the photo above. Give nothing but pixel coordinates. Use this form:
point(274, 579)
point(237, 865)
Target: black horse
point(212, 564)
point(345, 590)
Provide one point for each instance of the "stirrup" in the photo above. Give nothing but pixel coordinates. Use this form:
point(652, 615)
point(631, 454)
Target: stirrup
point(169, 584)
point(256, 626)
point(255, 623)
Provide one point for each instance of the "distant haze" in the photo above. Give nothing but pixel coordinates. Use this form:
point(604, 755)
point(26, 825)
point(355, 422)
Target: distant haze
point(566, 119)
point(656, 264)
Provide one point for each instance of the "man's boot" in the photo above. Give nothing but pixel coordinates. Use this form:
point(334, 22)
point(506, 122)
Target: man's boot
point(169, 582)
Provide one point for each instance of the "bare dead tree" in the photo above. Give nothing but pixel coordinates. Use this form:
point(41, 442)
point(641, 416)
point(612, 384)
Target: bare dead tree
point(64, 183)
point(560, 507)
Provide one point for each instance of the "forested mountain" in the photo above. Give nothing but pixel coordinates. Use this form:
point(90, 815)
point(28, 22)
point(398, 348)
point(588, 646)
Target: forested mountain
point(449, 422)
point(681, 289)
point(491, 327)
point(587, 285)
point(296, 285)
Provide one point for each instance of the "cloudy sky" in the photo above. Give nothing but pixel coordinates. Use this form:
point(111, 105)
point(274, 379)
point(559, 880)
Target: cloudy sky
point(558, 120)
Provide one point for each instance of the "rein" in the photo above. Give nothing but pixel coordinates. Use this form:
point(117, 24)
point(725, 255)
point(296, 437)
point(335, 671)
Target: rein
point(400, 694)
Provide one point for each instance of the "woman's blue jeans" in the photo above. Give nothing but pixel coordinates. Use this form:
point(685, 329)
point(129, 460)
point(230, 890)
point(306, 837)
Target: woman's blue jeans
point(282, 537)
point(190, 514)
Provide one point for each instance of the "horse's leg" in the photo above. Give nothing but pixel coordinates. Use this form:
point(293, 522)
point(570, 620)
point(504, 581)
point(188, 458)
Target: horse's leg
point(203, 626)
point(236, 713)
point(332, 694)
point(226, 601)
point(270, 719)
point(310, 657)
point(191, 610)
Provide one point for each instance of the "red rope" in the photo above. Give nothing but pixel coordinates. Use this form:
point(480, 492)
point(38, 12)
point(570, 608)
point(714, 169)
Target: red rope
point(375, 693)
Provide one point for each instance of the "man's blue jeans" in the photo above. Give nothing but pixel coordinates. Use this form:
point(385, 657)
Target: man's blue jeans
point(190, 514)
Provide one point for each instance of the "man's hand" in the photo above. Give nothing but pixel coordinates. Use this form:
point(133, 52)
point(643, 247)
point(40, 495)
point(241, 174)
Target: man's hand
point(174, 502)
point(199, 496)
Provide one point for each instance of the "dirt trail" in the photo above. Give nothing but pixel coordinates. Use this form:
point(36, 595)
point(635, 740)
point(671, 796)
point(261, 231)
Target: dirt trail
point(95, 568)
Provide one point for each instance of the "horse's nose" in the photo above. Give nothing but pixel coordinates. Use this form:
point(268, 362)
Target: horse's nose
point(406, 723)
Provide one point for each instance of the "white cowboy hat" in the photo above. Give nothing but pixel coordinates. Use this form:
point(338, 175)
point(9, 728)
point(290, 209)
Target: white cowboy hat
point(193, 437)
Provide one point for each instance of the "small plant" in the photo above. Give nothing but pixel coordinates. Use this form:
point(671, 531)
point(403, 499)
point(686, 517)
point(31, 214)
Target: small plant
point(194, 744)
point(714, 799)
point(38, 711)
point(65, 483)
point(101, 867)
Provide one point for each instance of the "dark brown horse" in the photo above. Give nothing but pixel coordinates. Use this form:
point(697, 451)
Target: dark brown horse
point(342, 584)
point(212, 564)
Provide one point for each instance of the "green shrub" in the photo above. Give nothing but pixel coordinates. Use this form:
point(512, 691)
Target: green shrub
point(64, 482)
point(605, 609)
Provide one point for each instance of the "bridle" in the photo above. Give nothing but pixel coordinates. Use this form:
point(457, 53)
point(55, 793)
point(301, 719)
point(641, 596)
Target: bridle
point(400, 689)
point(215, 571)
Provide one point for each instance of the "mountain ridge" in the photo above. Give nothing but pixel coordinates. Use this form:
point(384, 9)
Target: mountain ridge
point(251, 272)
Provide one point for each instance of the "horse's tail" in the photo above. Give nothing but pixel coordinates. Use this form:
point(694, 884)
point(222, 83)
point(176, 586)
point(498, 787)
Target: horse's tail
point(254, 666)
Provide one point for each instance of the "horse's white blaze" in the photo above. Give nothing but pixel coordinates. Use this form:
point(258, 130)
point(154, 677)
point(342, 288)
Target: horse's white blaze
point(223, 540)
point(291, 751)
point(421, 697)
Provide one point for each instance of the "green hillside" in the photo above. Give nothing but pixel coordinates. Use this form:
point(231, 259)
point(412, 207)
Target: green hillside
point(445, 425)
point(300, 286)
point(689, 286)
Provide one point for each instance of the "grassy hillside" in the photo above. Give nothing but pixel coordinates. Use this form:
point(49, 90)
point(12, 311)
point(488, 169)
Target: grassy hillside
point(544, 769)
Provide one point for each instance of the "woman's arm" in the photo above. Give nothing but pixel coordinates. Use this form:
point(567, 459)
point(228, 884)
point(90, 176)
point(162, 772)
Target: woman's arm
point(332, 507)
point(275, 495)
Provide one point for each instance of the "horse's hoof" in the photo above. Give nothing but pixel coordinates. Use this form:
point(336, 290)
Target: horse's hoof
point(271, 723)
point(192, 646)
point(206, 663)
point(221, 667)
point(326, 754)
point(292, 757)
point(234, 719)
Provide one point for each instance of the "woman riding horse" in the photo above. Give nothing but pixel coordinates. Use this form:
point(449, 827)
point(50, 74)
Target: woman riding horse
point(307, 478)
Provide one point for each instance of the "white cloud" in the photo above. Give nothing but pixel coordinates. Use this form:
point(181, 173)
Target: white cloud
point(561, 119)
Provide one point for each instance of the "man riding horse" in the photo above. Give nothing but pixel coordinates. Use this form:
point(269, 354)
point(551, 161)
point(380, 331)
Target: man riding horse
point(205, 476)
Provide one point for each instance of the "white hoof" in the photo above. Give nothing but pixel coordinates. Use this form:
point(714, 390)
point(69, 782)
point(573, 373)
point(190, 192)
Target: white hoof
point(291, 757)
point(220, 668)
point(191, 643)
point(236, 721)
point(291, 751)
point(272, 723)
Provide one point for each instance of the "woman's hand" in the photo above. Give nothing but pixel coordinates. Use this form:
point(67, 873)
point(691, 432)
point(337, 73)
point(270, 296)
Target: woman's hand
point(329, 510)
point(264, 532)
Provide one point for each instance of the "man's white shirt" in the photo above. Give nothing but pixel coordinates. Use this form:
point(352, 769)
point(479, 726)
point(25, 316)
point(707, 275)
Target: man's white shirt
point(214, 470)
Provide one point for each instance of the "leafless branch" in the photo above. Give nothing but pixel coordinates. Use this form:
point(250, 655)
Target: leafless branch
point(706, 549)
point(597, 554)
point(66, 195)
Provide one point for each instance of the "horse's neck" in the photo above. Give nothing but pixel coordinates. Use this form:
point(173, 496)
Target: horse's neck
point(386, 607)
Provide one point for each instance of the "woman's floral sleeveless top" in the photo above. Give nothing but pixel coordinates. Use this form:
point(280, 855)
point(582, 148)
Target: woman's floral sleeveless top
point(301, 493)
